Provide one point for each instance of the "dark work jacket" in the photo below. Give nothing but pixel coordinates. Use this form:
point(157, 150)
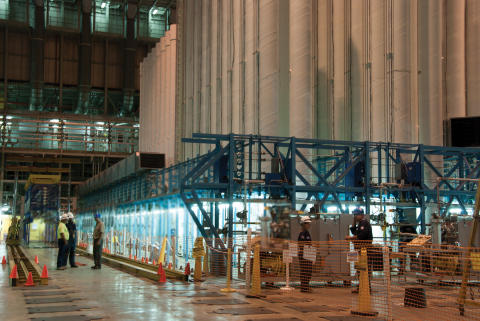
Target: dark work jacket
point(363, 232)
point(304, 238)
point(72, 229)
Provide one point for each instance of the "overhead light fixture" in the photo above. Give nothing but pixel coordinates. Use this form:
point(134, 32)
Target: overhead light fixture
point(155, 11)
point(104, 4)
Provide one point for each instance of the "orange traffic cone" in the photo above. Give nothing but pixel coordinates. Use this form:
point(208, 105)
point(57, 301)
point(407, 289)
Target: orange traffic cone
point(154, 263)
point(186, 273)
point(143, 260)
point(14, 275)
point(36, 259)
point(44, 272)
point(130, 257)
point(4, 261)
point(162, 276)
point(135, 258)
point(169, 266)
point(29, 280)
point(146, 260)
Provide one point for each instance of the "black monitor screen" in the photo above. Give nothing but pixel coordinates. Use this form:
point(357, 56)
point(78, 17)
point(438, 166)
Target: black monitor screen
point(465, 132)
point(152, 160)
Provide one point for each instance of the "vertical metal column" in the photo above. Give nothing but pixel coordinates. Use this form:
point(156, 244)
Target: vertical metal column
point(368, 175)
point(85, 59)
point(130, 50)
point(293, 175)
point(37, 58)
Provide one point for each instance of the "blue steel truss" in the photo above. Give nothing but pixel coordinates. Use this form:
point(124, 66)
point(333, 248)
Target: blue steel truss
point(301, 173)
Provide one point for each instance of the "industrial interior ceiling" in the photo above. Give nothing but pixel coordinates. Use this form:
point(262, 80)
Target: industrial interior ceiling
point(69, 87)
point(378, 70)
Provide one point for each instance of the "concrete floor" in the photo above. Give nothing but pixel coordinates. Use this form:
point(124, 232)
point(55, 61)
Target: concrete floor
point(114, 295)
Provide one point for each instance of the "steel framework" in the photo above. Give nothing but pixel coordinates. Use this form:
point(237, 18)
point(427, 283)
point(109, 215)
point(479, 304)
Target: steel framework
point(302, 173)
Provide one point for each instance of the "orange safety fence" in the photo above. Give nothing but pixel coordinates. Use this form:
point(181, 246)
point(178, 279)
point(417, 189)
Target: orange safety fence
point(387, 280)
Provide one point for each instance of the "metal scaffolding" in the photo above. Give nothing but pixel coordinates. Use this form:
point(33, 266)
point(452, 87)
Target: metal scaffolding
point(298, 173)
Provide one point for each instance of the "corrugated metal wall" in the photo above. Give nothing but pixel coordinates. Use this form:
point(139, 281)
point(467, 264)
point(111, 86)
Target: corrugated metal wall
point(381, 70)
point(157, 98)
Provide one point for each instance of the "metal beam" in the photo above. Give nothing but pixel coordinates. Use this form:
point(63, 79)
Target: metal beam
point(33, 169)
point(27, 159)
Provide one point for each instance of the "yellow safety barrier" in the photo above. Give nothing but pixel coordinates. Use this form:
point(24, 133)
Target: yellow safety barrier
point(161, 258)
point(475, 258)
point(205, 263)
point(229, 289)
point(256, 288)
point(198, 253)
point(364, 300)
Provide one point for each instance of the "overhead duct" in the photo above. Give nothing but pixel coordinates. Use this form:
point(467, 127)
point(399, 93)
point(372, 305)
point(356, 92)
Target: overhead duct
point(37, 55)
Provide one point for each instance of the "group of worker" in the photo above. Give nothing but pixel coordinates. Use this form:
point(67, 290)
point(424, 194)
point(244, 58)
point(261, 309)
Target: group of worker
point(361, 237)
point(66, 236)
point(67, 240)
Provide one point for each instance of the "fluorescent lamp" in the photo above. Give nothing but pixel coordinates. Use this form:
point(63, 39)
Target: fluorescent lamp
point(155, 11)
point(332, 209)
point(104, 4)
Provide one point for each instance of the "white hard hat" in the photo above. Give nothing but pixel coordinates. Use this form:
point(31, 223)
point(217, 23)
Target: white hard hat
point(64, 217)
point(70, 215)
point(305, 219)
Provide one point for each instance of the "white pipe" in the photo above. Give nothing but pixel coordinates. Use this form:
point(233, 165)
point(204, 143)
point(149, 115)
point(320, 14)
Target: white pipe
point(301, 109)
point(359, 82)
point(269, 69)
point(379, 112)
point(401, 106)
point(250, 66)
point(455, 60)
point(323, 113)
point(204, 71)
point(431, 75)
point(473, 58)
point(341, 119)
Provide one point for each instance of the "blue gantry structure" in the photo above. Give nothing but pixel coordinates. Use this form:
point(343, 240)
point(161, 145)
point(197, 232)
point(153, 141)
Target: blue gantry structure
point(242, 174)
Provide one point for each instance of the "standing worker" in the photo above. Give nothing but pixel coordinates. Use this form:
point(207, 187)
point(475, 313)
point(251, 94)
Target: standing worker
point(72, 230)
point(62, 237)
point(98, 234)
point(306, 266)
point(362, 235)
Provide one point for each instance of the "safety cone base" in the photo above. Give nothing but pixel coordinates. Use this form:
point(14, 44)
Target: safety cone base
point(286, 288)
point(228, 290)
point(364, 313)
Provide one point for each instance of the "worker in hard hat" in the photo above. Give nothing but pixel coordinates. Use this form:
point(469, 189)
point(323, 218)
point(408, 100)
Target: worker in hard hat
point(98, 234)
point(361, 229)
point(72, 230)
point(362, 236)
point(62, 237)
point(306, 266)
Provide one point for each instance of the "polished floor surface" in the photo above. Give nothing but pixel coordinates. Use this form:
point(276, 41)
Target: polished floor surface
point(110, 294)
